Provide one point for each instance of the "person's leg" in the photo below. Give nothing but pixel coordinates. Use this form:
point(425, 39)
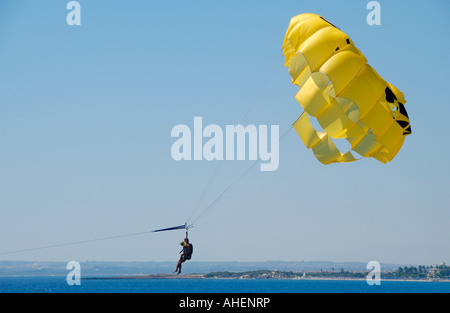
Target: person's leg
point(178, 268)
point(182, 259)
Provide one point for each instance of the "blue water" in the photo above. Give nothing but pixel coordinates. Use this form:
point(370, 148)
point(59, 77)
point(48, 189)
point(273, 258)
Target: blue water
point(59, 285)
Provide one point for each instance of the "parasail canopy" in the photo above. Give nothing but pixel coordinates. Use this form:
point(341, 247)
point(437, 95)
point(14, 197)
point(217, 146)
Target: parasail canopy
point(344, 93)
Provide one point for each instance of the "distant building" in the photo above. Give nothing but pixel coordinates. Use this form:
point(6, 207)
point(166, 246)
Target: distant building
point(434, 270)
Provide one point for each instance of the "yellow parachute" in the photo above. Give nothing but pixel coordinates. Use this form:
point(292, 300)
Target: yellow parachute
point(345, 94)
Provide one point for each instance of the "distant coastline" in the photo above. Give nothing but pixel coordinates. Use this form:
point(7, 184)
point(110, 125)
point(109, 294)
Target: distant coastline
point(309, 270)
point(261, 274)
point(203, 276)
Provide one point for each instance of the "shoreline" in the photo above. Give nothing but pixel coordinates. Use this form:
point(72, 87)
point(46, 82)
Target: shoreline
point(202, 276)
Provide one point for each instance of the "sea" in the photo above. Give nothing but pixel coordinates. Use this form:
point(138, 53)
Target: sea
point(58, 284)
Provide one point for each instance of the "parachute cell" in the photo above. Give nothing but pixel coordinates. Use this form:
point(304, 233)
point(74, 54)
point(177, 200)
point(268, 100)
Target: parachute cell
point(344, 93)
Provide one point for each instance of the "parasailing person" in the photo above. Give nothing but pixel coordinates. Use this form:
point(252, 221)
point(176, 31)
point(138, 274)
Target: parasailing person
point(186, 254)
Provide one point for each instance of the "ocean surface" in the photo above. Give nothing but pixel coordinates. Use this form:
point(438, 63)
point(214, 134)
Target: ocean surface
point(59, 285)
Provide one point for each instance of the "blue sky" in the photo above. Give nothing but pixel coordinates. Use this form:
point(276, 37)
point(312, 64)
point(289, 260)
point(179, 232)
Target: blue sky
point(87, 112)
